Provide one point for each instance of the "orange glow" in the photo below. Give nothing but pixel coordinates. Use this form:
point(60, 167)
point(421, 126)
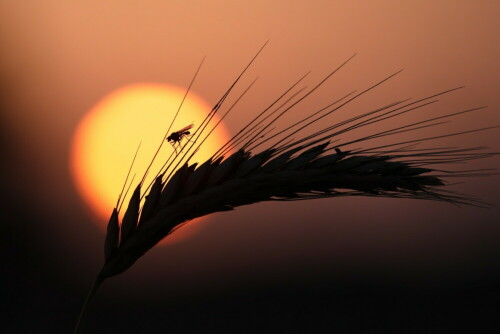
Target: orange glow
point(107, 137)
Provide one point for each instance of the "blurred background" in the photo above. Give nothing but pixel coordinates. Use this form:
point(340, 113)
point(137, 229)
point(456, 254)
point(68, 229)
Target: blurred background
point(353, 265)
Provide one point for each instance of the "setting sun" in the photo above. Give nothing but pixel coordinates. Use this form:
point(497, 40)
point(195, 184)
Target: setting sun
point(107, 138)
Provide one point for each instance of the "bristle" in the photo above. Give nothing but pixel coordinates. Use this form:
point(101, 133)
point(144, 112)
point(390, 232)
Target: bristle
point(251, 129)
point(167, 133)
point(152, 200)
point(131, 216)
point(118, 205)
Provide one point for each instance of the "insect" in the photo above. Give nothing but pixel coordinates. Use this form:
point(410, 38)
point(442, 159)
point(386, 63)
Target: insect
point(176, 136)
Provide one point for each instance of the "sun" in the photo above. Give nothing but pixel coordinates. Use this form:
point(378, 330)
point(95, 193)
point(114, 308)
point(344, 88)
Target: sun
point(106, 139)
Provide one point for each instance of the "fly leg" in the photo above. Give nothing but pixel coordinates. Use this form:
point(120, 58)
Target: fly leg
point(175, 148)
point(187, 138)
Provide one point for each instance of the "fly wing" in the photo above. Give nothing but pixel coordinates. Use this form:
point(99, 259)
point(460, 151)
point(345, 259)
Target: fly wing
point(185, 128)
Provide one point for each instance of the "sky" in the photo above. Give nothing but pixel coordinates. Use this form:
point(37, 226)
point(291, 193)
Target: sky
point(265, 267)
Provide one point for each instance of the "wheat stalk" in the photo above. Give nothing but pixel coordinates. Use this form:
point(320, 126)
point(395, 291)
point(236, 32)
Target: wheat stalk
point(287, 170)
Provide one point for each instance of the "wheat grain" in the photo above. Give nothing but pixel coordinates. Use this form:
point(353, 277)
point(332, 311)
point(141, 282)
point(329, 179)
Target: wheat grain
point(289, 169)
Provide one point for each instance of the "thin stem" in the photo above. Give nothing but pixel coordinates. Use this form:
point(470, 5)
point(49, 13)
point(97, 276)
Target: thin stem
point(97, 282)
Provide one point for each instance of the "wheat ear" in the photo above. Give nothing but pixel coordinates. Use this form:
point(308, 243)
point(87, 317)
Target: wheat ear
point(287, 170)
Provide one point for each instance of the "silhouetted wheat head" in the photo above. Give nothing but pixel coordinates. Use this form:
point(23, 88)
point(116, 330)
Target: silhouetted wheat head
point(287, 169)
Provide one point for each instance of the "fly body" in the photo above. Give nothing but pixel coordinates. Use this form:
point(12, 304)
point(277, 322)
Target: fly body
point(176, 136)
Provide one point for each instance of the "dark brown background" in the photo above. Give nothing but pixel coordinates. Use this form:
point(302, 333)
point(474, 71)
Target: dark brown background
point(351, 265)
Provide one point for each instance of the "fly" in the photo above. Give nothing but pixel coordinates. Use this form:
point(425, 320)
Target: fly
point(176, 136)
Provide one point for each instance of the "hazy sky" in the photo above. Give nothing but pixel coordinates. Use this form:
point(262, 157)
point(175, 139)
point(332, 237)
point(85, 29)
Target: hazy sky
point(59, 58)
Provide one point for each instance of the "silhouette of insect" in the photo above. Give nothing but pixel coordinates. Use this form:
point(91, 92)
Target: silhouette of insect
point(176, 136)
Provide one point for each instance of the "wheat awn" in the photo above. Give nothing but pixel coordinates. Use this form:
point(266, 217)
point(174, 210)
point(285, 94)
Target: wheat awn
point(310, 167)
